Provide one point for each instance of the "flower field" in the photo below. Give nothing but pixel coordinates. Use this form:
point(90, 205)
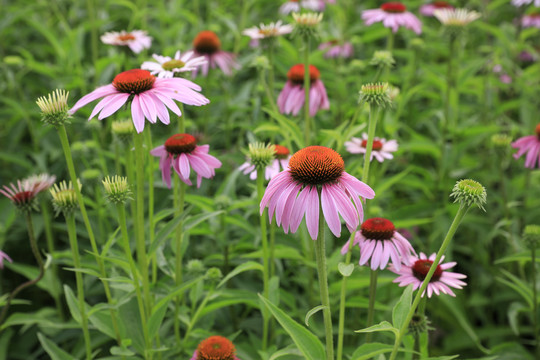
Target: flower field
point(293, 179)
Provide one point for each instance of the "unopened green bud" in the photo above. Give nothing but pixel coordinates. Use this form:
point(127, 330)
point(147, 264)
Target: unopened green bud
point(501, 140)
point(469, 192)
point(64, 197)
point(195, 267)
point(214, 274)
point(375, 94)
point(123, 130)
point(54, 108)
point(117, 189)
point(382, 58)
point(531, 236)
point(306, 24)
point(261, 155)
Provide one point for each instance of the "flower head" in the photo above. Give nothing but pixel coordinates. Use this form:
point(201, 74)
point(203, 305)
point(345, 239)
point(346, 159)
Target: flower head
point(393, 15)
point(382, 149)
point(532, 19)
point(150, 97)
point(333, 49)
point(379, 241)
point(376, 94)
point(428, 9)
point(469, 192)
point(54, 107)
point(306, 24)
point(136, 40)
point(291, 98)
point(382, 58)
point(64, 197)
point(3, 256)
point(40, 182)
point(268, 31)
point(182, 153)
point(117, 189)
point(215, 348)
point(416, 272)
point(531, 236)
point(529, 145)
point(208, 45)
point(167, 67)
point(279, 161)
point(23, 196)
point(294, 192)
point(455, 19)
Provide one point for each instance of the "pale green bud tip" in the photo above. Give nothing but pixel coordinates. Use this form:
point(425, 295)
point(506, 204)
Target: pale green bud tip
point(64, 197)
point(261, 62)
point(117, 189)
point(54, 107)
point(123, 128)
point(469, 192)
point(195, 267)
point(261, 155)
point(307, 19)
point(531, 236)
point(214, 274)
point(501, 140)
point(382, 58)
point(377, 94)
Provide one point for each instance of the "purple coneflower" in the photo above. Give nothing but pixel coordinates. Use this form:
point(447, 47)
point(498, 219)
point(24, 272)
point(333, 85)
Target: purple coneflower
point(150, 97)
point(393, 15)
point(333, 49)
point(3, 256)
point(525, 2)
point(207, 44)
point(24, 194)
point(167, 67)
point(266, 31)
point(530, 145)
point(379, 241)
point(416, 273)
point(215, 348)
point(136, 40)
point(182, 153)
point(295, 192)
point(382, 148)
point(291, 98)
point(531, 20)
point(280, 163)
point(294, 6)
point(428, 9)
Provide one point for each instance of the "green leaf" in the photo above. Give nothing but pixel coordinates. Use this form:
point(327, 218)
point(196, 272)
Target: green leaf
point(310, 346)
point(250, 265)
point(116, 350)
point(53, 350)
point(369, 351)
point(73, 304)
point(382, 326)
point(287, 351)
point(288, 127)
point(164, 232)
point(400, 311)
point(345, 269)
point(311, 312)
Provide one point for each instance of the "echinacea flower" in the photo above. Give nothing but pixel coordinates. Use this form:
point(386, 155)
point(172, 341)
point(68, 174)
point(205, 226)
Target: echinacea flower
point(292, 6)
point(525, 2)
point(531, 20)
point(150, 97)
point(382, 149)
point(291, 98)
point(531, 146)
point(333, 49)
point(215, 348)
point(428, 9)
point(3, 256)
point(415, 274)
point(207, 44)
point(456, 17)
point(278, 164)
point(267, 31)
point(136, 40)
point(182, 153)
point(393, 15)
point(294, 192)
point(167, 67)
point(379, 242)
point(23, 195)
point(40, 182)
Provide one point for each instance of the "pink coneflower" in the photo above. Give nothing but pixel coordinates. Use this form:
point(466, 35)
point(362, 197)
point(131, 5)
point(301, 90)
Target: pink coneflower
point(294, 6)
point(207, 44)
point(525, 2)
point(40, 182)
point(3, 256)
point(379, 241)
point(150, 97)
point(531, 20)
point(215, 348)
point(428, 9)
point(393, 15)
point(167, 67)
point(280, 163)
point(267, 31)
point(182, 153)
point(530, 145)
point(291, 98)
point(137, 40)
point(295, 192)
point(382, 148)
point(24, 194)
point(416, 273)
point(333, 49)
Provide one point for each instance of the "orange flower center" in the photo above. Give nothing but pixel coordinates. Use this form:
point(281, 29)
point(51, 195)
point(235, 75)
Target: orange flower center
point(393, 7)
point(441, 4)
point(180, 144)
point(134, 81)
point(378, 229)
point(316, 165)
point(206, 42)
point(296, 74)
point(421, 268)
point(126, 37)
point(377, 145)
point(281, 152)
point(216, 348)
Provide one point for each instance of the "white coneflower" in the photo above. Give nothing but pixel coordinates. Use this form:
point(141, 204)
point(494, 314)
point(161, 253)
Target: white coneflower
point(456, 17)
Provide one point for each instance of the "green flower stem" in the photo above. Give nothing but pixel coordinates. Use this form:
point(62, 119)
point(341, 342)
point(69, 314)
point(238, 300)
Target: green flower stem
point(272, 248)
point(373, 274)
point(268, 91)
point(139, 220)
point(342, 300)
point(197, 313)
point(421, 313)
point(73, 176)
point(271, 43)
point(39, 260)
point(72, 233)
point(264, 241)
point(307, 119)
point(455, 224)
point(179, 202)
point(535, 298)
point(134, 272)
point(320, 254)
point(151, 224)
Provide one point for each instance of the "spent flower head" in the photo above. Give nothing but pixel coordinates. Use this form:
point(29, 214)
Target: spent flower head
point(531, 236)
point(375, 94)
point(64, 197)
point(382, 58)
point(117, 189)
point(469, 192)
point(54, 108)
point(306, 24)
point(261, 155)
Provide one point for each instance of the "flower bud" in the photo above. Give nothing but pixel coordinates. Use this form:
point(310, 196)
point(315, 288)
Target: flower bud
point(377, 94)
point(117, 189)
point(469, 192)
point(54, 108)
point(64, 197)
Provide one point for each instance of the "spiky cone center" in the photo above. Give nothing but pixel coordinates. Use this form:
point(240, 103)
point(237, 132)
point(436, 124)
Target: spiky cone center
point(216, 348)
point(421, 268)
point(134, 81)
point(378, 229)
point(393, 7)
point(537, 131)
point(180, 144)
point(207, 42)
point(126, 37)
point(316, 165)
point(281, 152)
point(377, 144)
point(173, 64)
point(469, 192)
point(441, 5)
point(296, 74)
